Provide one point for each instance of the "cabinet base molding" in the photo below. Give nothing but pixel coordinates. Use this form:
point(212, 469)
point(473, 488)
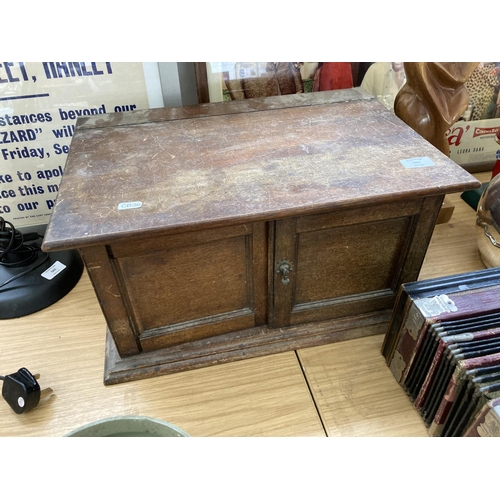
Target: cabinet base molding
point(235, 346)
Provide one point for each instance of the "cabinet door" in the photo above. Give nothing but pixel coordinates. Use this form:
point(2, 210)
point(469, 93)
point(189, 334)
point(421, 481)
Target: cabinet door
point(343, 263)
point(193, 285)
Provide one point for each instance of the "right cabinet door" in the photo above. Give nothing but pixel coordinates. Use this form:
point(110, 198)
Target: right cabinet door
point(346, 262)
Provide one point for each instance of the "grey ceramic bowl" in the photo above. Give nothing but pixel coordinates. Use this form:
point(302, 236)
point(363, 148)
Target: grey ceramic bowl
point(128, 426)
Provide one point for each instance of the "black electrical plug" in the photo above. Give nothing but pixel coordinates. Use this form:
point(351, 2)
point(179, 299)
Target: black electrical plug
point(22, 391)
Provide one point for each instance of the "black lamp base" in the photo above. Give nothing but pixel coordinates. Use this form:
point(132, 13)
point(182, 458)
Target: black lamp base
point(46, 280)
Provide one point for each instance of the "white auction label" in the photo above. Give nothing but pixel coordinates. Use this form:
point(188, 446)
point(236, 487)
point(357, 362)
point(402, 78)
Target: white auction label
point(129, 204)
point(53, 270)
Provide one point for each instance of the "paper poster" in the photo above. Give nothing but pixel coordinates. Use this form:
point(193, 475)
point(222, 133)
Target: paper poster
point(474, 143)
point(39, 105)
point(473, 139)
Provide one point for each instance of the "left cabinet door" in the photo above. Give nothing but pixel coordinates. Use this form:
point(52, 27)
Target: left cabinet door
point(192, 285)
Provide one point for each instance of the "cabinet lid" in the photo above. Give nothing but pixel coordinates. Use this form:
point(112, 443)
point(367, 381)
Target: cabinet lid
point(172, 169)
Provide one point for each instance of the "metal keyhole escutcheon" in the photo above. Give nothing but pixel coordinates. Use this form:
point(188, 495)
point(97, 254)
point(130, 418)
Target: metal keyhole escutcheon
point(284, 269)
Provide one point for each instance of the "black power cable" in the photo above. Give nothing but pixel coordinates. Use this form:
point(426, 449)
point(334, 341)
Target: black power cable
point(15, 252)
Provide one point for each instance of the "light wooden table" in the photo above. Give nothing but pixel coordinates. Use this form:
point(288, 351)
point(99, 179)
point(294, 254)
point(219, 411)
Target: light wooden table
point(342, 389)
point(65, 344)
point(352, 386)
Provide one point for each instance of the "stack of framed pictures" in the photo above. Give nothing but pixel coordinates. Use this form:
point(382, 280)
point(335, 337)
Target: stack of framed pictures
point(443, 347)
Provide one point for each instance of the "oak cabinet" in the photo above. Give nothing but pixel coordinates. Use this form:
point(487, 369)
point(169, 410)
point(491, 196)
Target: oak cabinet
point(218, 232)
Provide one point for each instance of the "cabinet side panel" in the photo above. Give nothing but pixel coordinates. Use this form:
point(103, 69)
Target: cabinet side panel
point(110, 299)
point(421, 238)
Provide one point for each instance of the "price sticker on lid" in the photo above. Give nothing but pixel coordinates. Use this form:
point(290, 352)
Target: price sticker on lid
point(422, 161)
point(129, 204)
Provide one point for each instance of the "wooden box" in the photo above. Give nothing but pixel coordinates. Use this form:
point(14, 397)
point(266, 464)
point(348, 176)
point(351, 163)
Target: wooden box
point(229, 230)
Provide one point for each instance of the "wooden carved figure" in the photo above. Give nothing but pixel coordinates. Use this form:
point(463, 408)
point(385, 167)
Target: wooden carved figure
point(433, 98)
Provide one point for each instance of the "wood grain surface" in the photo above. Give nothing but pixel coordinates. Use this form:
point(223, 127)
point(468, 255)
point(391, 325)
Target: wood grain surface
point(231, 167)
point(354, 395)
point(343, 389)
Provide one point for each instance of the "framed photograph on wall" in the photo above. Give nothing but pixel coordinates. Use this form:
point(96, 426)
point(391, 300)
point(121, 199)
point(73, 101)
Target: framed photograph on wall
point(227, 81)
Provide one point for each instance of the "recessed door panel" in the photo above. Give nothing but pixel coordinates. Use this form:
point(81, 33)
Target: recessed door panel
point(348, 260)
point(341, 263)
point(192, 288)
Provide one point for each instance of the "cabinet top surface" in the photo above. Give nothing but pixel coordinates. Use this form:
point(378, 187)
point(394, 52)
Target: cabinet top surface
point(205, 166)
